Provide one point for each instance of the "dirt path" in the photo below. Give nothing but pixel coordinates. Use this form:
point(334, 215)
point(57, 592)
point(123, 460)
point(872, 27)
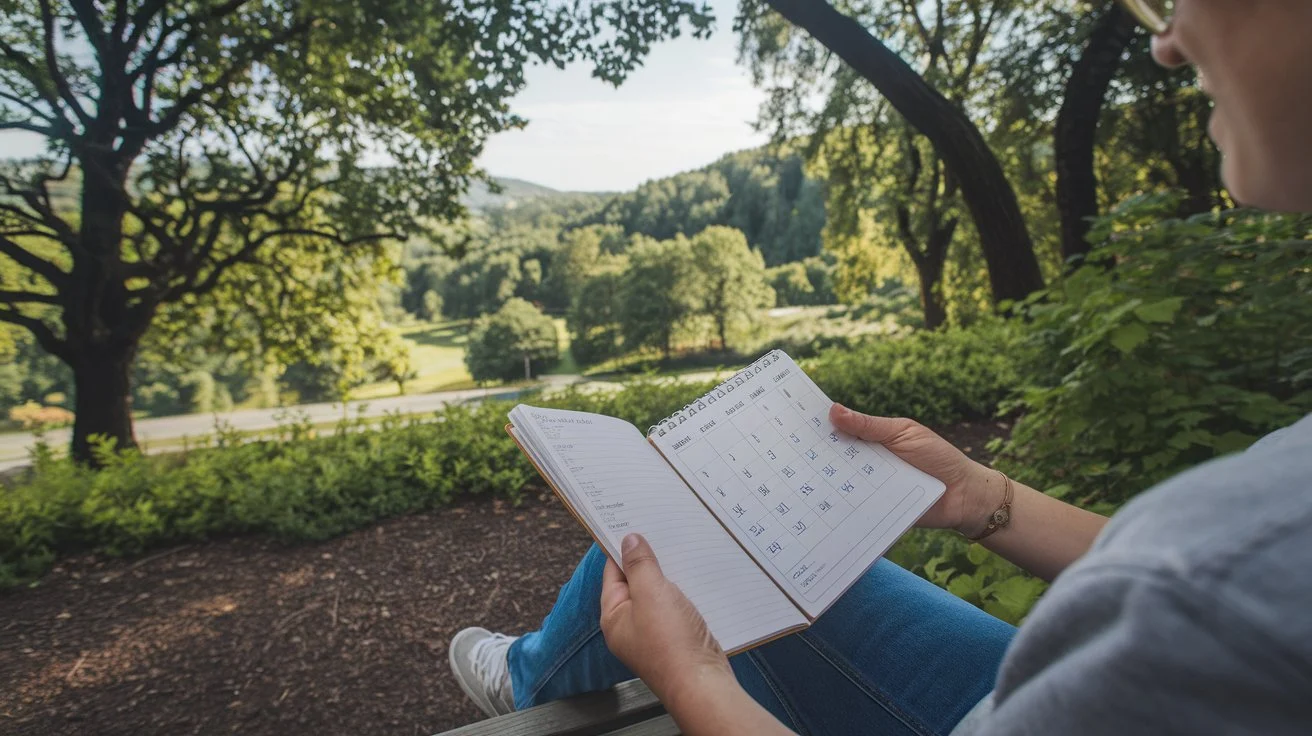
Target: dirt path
point(251, 637)
point(348, 636)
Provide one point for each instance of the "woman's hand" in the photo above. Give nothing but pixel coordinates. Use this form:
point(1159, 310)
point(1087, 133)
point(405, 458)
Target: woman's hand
point(654, 629)
point(973, 490)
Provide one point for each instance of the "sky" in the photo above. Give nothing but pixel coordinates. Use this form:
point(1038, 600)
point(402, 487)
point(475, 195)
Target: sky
point(688, 105)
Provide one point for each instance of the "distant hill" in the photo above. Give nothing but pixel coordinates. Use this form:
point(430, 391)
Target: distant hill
point(480, 198)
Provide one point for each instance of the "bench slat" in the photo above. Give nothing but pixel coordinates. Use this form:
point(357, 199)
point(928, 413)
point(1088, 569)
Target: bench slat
point(593, 714)
point(663, 726)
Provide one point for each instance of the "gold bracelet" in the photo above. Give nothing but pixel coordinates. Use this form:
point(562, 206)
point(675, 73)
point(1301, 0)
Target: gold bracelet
point(1002, 516)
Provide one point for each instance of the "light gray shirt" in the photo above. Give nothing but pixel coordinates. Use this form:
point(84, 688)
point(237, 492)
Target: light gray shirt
point(1191, 613)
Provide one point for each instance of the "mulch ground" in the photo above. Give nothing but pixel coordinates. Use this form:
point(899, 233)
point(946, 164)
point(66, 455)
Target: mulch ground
point(252, 637)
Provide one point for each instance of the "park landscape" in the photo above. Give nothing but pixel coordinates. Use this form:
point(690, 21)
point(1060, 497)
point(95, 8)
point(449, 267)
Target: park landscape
point(1000, 219)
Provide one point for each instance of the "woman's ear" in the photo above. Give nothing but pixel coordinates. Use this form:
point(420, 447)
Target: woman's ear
point(1166, 52)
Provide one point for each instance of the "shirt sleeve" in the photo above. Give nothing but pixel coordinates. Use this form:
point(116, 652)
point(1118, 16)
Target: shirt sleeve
point(1125, 650)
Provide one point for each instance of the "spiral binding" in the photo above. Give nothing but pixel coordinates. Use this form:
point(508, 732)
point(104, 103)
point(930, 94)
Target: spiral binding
point(670, 423)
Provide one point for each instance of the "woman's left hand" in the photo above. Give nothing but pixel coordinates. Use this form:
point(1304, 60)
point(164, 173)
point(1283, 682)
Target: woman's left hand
point(654, 629)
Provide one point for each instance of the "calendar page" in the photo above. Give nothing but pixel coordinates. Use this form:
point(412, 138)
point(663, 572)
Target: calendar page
point(813, 506)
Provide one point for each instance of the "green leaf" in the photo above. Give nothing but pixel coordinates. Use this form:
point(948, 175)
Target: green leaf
point(965, 587)
point(1160, 311)
point(1233, 442)
point(1128, 337)
point(1016, 595)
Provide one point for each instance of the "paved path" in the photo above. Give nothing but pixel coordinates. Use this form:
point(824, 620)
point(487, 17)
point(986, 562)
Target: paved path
point(14, 446)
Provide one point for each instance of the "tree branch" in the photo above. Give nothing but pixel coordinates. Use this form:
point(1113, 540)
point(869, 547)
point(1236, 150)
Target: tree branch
point(40, 330)
point(27, 297)
point(40, 130)
point(52, 65)
point(33, 75)
point(27, 105)
point(89, 18)
point(41, 267)
point(173, 116)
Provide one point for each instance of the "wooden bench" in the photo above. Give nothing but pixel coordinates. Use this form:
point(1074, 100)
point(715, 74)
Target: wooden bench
point(628, 709)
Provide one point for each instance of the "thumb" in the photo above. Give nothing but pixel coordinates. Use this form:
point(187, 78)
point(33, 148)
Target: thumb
point(875, 429)
point(640, 565)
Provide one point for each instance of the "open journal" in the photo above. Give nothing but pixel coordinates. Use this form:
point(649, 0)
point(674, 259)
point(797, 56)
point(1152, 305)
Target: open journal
point(756, 506)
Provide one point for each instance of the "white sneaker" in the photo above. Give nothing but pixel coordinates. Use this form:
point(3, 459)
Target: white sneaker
point(478, 660)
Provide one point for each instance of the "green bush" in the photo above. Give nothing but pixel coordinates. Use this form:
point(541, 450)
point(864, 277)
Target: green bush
point(935, 377)
point(294, 485)
point(1180, 341)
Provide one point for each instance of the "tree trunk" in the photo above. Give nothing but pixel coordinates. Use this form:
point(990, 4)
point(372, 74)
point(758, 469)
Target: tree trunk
point(1008, 249)
point(103, 321)
point(929, 269)
point(103, 401)
point(930, 299)
point(1077, 128)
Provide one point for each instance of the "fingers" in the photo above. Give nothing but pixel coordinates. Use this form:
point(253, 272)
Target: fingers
point(614, 588)
point(875, 429)
point(641, 569)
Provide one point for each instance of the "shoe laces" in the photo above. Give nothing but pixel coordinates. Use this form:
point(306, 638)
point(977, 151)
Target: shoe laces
point(491, 665)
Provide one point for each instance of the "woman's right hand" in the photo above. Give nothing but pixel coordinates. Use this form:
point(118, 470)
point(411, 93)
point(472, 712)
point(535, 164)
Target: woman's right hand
point(973, 490)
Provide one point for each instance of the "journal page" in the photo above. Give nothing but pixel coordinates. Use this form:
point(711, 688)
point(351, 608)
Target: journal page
point(814, 506)
point(620, 484)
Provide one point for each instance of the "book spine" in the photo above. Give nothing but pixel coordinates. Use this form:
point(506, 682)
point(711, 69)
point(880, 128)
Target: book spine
point(734, 382)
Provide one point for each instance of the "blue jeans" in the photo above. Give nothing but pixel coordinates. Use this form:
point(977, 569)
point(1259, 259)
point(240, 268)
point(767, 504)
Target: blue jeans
point(895, 655)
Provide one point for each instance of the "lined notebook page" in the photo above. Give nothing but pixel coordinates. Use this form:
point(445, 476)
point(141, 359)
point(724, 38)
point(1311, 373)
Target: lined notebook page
point(620, 484)
point(814, 506)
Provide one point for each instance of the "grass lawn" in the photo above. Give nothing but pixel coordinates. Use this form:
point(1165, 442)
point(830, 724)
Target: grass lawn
point(437, 354)
point(567, 365)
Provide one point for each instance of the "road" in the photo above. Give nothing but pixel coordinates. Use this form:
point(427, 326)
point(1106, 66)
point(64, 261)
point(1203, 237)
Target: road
point(14, 446)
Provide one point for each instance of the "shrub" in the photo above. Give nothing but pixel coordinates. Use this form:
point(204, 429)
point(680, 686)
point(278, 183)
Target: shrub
point(294, 485)
point(935, 377)
point(32, 415)
point(1181, 341)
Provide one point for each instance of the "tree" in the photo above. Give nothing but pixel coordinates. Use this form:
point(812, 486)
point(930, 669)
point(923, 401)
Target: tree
point(432, 306)
point(515, 340)
point(662, 291)
point(733, 282)
point(594, 315)
point(199, 137)
point(1004, 238)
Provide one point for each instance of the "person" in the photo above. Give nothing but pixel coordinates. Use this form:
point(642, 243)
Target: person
point(1189, 612)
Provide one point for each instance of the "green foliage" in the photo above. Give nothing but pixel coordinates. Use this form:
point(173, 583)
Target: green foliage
point(431, 306)
point(594, 317)
point(803, 283)
point(765, 193)
point(733, 286)
point(500, 343)
point(1183, 340)
point(662, 290)
point(934, 377)
point(969, 572)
